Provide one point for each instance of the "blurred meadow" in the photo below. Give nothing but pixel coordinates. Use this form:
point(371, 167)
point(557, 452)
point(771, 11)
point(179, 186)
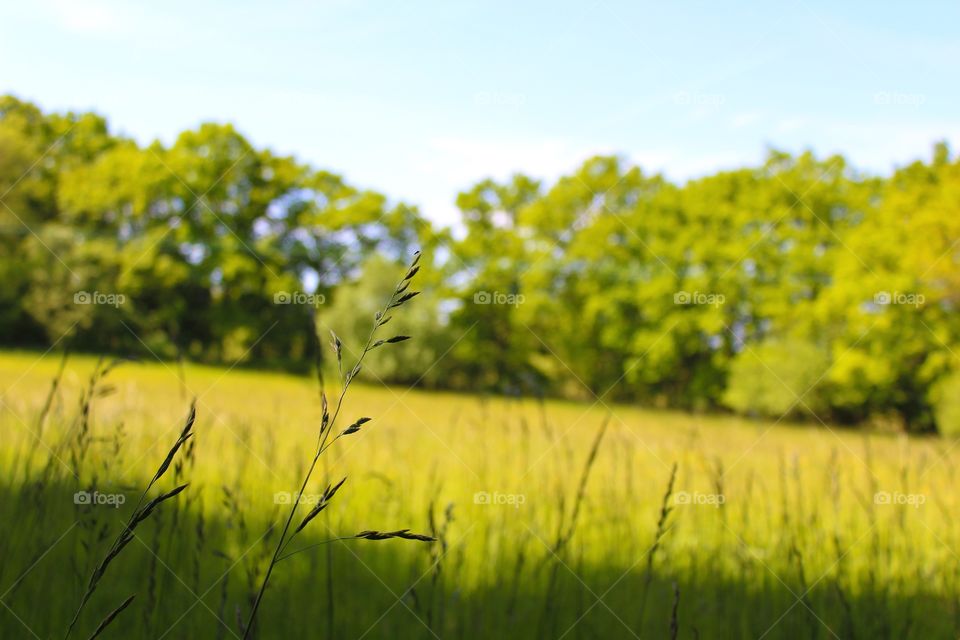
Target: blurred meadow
point(797, 546)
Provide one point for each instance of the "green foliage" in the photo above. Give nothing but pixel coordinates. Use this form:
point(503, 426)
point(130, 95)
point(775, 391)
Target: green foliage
point(777, 379)
point(352, 310)
point(611, 283)
point(946, 398)
point(638, 289)
point(194, 240)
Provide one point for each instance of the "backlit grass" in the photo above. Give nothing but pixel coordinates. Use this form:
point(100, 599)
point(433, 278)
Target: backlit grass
point(775, 530)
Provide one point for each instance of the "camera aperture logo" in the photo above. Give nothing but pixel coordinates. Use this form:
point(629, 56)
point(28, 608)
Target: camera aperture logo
point(500, 99)
point(715, 500)
point(286, 497)
point(897, 98)
point(698, 297)
point(100, 298)
point(299, 297)
point(498, 297)
point(499, 499)
point(884, 298)
point(909, 499)
point(95, 498)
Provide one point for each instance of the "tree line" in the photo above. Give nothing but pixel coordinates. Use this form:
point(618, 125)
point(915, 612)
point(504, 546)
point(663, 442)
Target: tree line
point(800, 287)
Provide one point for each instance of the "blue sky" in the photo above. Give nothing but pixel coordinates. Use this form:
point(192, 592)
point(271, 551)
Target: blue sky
point(420, 100)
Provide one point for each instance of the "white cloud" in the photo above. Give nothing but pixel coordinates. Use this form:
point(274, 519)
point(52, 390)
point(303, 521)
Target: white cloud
point(470, 159)
point(451, 164)
point(788, 125)
point(742, 120)
point(879, 145)
point(91, 16)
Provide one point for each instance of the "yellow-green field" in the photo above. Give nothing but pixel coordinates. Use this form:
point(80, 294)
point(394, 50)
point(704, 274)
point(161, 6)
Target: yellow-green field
point(774, 531)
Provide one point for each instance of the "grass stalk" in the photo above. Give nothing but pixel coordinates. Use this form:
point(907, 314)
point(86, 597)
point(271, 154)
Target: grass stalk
point(399, 297)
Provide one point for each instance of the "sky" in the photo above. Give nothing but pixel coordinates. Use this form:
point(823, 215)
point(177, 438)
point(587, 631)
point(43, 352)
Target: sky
point(419, 100)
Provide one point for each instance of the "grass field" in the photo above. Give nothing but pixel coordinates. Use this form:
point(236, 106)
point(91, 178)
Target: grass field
point(772, 530)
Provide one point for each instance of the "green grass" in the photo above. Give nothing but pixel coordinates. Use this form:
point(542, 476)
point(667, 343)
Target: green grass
point(799, 547)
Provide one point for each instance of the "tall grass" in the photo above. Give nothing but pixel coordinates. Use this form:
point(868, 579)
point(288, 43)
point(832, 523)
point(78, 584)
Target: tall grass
point(400, 296)
point(801, 544)
point(141, 512)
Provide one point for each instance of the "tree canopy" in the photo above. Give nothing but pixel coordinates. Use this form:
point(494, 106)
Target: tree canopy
point(799, 287)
